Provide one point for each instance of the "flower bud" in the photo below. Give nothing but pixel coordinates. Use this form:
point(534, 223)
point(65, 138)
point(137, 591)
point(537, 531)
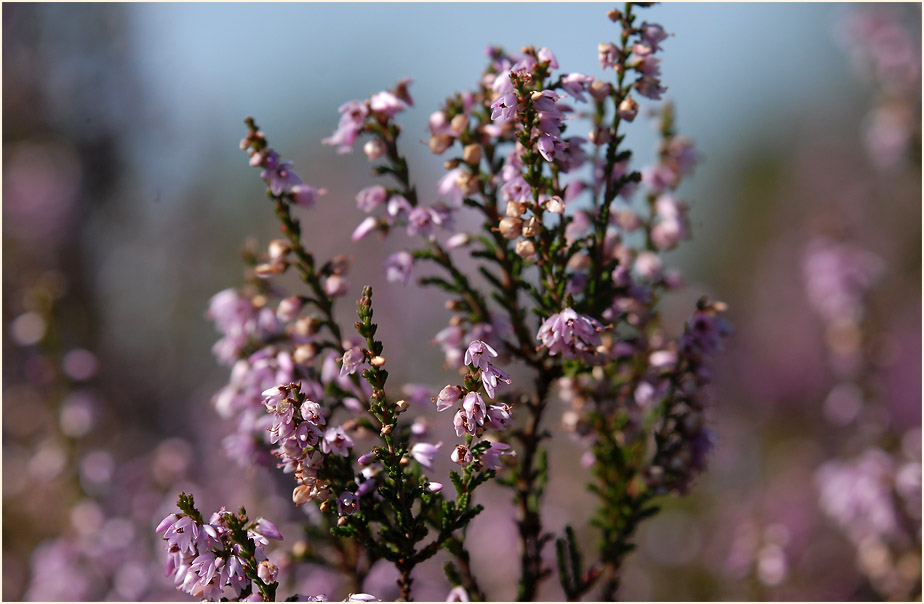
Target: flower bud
point(525, 249)
point(471, 154)
point(600, 90)
point(459, 123)
point(515, 209)
point(555, 204)
point(401, 406)
point(599, 135)
point(301, 494)
point(288, 308)
point(377, 361)
point(532, 227)
point(306, 326)
point(342, 521)
point(374, 149)
point(451, 164)
point(628, 109)
point(305, 353)
point(366, 458)
point(439, 144)
point(510, 227)
point(266, 270)
point(386, 430)
point(614, 15)
point(434, 487)
point(278, 250)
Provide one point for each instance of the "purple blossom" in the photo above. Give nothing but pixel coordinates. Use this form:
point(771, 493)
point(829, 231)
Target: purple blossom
point(424, 453)
point(570, 334)
point(423, 221)
point(462, 455)
point(371, 197)
point(652, 34)
point(397, 207)
point(279, 175)
point(491, 456)
point(352, 360)
point(386, 103)
point(336, 442)
point(461, 423)
point(365, 227)
point(398, 267)
point(448, 187)
point(498, 417)
point(504, 107)
point(336, 285)
point(474, 408)
point(448, 397)
point(544, 55)
point(491, 376)
point(575, 84)
point(347, 504)
point(305, 196)
point(475, 354)
point(352, 119)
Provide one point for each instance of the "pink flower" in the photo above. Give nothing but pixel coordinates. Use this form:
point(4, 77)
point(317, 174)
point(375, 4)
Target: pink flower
point(448, 397)
point(386, 103)
point(504, 107)
point(569, 334)
point(352, 119)
point(462, 455)
point(424, 453)
point(337, 442)
point(475, 354)
point(371, 197)
point(491, 456)
point(398, 267)
point(305, 196)
point(365, 227)
point(352, 360)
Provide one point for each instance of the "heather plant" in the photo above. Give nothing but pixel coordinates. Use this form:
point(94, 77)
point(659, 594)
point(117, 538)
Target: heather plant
point(569, 276)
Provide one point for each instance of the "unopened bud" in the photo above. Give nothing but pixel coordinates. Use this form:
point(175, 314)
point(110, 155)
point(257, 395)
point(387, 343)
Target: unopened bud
point(439, 144)
point(600, 90)
point(386, 430)
point(342, 521)
point(628, 109)
point(266, 269)
point(306, 326)
point(401, 406)
point(374, 149)
point(599, 135)
point(459, 123)
point(535, 95)
point(614, 15)
point(305, 353)
point(450, 164)
point(301, 494)
point(510, 227)
point(525, 248)
point(515, 209)
point(278, 250)
point(377, 361)
point(532, 227)
point(471, 154)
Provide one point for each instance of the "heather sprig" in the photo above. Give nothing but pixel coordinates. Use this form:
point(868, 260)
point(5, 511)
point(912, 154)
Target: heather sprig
point(572, 294)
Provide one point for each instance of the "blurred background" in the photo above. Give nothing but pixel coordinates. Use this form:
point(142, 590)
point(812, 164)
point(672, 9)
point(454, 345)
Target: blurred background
point(126, 202)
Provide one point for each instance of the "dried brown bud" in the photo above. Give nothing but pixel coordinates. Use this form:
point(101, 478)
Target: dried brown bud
point(510, 227)
point(306, 326)
point(401, 406)
point(451, 164)
point(325, 505)
point(628, 109)
point(532, 227)
point(386, 430)
point(600, 90)
point(471, 154)
point(515, 209)
point(305, 353)
point(459, 123)
point(525, 249)
point(614, 15)
point(439, 144)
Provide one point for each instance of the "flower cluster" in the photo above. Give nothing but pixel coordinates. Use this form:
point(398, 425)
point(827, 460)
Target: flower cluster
point(562, 249)
point(221, 556)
